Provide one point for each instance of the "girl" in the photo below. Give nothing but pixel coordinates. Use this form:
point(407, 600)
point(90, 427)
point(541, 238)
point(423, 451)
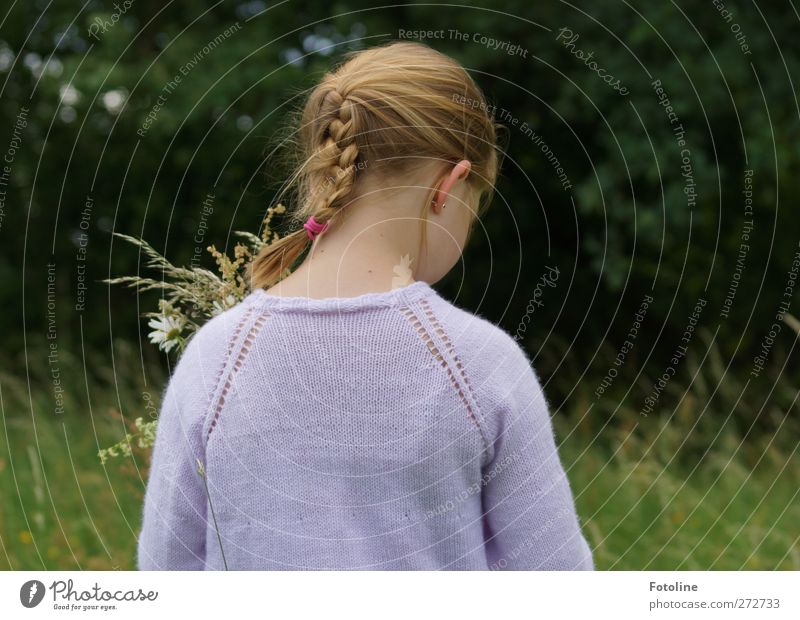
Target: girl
point(346, 416)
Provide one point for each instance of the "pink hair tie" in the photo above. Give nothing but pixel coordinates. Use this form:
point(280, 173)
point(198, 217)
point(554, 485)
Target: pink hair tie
point(314, 228)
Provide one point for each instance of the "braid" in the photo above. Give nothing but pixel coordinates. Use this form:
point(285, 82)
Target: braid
point(333, 165)
point(331, 169)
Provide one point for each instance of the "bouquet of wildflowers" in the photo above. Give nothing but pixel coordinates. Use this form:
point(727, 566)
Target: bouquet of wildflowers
point(190, 296)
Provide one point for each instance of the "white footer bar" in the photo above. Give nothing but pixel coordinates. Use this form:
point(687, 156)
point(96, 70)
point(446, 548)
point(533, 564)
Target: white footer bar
point(386, 595)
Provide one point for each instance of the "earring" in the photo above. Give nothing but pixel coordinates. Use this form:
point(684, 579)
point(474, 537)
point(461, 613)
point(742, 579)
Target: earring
point(433, 203)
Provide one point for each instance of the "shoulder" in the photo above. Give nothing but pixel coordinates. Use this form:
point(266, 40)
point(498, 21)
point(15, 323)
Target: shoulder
point(499, 369)
point(195, 378)
point(483, 344)
point(207, 351)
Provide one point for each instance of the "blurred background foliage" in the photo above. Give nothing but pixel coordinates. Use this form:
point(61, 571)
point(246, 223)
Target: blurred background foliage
point(86, 76)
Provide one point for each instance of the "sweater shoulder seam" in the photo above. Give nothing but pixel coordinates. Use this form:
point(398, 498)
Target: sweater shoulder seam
point(232, 356)
point(434, 334)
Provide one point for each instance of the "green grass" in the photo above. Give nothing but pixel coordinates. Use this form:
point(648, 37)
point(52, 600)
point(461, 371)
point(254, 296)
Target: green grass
point(663, 493)
point(641, 512)
point(61, 508)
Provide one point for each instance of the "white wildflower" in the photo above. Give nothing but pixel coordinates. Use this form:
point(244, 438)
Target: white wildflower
point(167, 331)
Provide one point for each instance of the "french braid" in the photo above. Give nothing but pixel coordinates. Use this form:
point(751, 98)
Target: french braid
point(332, 169)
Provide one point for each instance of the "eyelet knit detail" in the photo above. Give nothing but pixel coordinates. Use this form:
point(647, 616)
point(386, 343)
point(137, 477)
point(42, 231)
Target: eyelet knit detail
point(234, 337)
point(231, 369)
point(444, 353)
point(450, 349)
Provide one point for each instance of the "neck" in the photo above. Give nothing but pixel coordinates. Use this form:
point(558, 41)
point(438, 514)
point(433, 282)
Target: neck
point(363, 250)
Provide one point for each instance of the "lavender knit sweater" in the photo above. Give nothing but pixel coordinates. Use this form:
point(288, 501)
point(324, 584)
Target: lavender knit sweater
point(385, 431)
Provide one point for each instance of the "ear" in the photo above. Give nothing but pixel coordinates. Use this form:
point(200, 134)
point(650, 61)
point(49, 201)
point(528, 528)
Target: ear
point(459, 172)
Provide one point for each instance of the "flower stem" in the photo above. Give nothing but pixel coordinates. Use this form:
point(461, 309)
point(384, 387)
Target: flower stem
point(202, 471)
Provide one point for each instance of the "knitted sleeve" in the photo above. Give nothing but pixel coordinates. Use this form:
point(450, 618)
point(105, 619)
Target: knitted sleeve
point(529, 510)
point(173, 534)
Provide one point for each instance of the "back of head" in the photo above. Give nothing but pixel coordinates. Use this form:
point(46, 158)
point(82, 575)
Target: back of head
point(382, 112)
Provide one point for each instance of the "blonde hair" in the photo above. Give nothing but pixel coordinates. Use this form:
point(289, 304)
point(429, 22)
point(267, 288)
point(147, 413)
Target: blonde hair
point(383, 111)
